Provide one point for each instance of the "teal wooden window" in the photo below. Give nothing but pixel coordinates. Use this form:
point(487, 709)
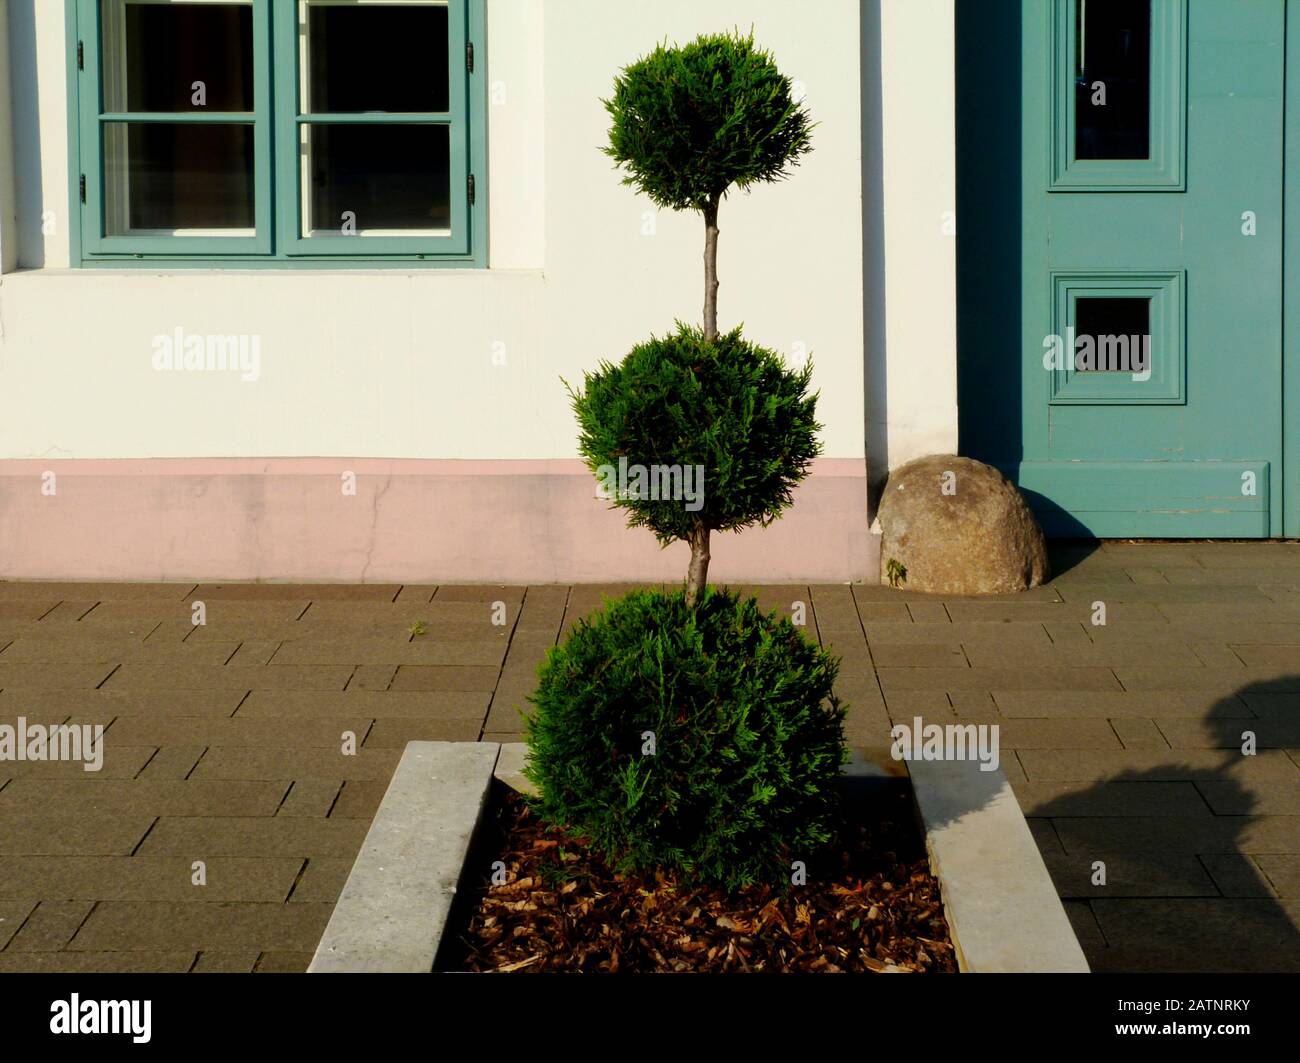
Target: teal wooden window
point(1119, 95)
point(1122, 337)
point(289, 133)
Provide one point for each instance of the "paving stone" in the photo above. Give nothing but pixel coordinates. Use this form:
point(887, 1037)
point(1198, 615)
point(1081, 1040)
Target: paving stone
point(1085, 927)
point(94, 592)
point(172, 762)
point(372, 677)
point(1111, 799)
point(933, 655)
point(255, 837)
point(1076, 655)
point(50, 926)
point(1286, 657)
point(975, 704)
point(162, 926)
point(119, 703)
point(182, 612)
point(96, 962)
point(1078, 610)
point(311, 797)
point(1247, 794)
point(238, 962)
point(962, 633)
point(471, 616)
point(26, 609)
point(503, 737)
point(872, 613)
point(203, 677)
point(1115, 705)
point(1071, 679)
point(1067, 633)
point(1161, 594)
point(1263, 611)
point(1181, 834)
point(1248, 925)
point(40, 676)
point(1140, 574)
point(119, 762)
point(1269, 732)
point(923, 612)
point(251, 652)
point(1129, 875)
point(512, 596)
point(1055, 734)
point(1137, 733)
point(280, 962)
point(1158, 765)
point(252, 732)
point(394, 734)
point(239, 762)
point(449, 678)
point(262, 704)
point(142, 798)
point(1236, 875)
point(304, 652)
point(1043, 831)
point(108, 651)
point(94, 878)
point(1269, 703)
point(314, 592)
point(415, 593)
point(1283, 871)
point(322, 881)
point(13, 913)
point(70, 611)
point(359, 799)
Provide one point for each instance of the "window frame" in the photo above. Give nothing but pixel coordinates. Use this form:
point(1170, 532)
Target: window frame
point(1164, 171)
point(278, 243)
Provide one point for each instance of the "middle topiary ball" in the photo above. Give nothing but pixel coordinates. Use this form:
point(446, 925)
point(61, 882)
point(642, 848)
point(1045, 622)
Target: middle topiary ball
point(706, 740)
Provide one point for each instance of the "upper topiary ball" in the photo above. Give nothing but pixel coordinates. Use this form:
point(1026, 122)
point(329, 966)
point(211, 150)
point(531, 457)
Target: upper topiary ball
point(725, 418)
point(691, 121)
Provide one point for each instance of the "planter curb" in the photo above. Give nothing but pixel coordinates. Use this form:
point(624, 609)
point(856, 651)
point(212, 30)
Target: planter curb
point(1003, 911)
point(394, 906)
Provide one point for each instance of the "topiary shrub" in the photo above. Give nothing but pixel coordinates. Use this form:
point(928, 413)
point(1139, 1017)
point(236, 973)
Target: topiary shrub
point(727, 408)
point(702, 739)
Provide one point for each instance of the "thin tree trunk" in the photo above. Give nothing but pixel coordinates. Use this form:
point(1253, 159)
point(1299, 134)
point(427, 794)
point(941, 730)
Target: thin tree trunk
point(698, 576)
point(711, 270)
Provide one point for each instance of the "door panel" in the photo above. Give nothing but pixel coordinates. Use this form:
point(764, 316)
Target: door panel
point(1190, 443)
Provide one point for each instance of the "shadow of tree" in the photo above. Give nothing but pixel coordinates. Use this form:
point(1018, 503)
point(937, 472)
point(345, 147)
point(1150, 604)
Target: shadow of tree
point(1200, 851)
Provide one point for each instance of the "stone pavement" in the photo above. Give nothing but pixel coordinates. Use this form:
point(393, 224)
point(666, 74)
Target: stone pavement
point(225, 742)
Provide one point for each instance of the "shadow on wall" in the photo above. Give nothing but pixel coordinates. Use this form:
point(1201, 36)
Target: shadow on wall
point(29, 156)
point(1201, 851)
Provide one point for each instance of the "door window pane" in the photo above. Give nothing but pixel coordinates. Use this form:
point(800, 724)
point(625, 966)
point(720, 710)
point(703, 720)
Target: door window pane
point(377, 57)
point(1112, 335)
point(373, 179)
point(1112, 114)
point(163, 57)
point(178, 177)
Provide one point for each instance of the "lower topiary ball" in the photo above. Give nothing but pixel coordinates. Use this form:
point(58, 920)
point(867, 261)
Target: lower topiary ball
point(704, 740)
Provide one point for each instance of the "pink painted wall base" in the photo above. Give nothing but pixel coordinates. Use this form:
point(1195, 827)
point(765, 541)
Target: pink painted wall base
point(409, 521)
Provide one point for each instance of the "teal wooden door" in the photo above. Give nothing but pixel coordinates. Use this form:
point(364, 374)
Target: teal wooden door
point(1144, 395)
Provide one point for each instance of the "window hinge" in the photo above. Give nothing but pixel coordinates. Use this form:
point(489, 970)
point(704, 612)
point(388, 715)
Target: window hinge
point(83, 188)
point(81, 55)
point(469, 58)
point(471, 190)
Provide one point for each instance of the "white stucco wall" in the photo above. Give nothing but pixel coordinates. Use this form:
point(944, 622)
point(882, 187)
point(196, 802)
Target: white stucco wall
point(397, 364)
point(917, 414)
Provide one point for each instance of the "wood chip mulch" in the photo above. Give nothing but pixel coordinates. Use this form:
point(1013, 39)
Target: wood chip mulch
point(562, 910)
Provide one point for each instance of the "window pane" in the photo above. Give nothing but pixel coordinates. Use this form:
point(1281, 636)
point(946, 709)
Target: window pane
point(377, 57)
point(165, 176)
point(178, 57)
point(1112, 113)
point(369, 178)
point(1112, 335)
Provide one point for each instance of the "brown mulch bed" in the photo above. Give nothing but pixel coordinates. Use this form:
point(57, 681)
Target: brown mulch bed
point(875, 909)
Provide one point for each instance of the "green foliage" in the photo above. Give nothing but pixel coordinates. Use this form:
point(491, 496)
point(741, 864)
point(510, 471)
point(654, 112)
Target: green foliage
point(689, 122)
point(729, 406)
point(748, 739)
point(895, 572)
